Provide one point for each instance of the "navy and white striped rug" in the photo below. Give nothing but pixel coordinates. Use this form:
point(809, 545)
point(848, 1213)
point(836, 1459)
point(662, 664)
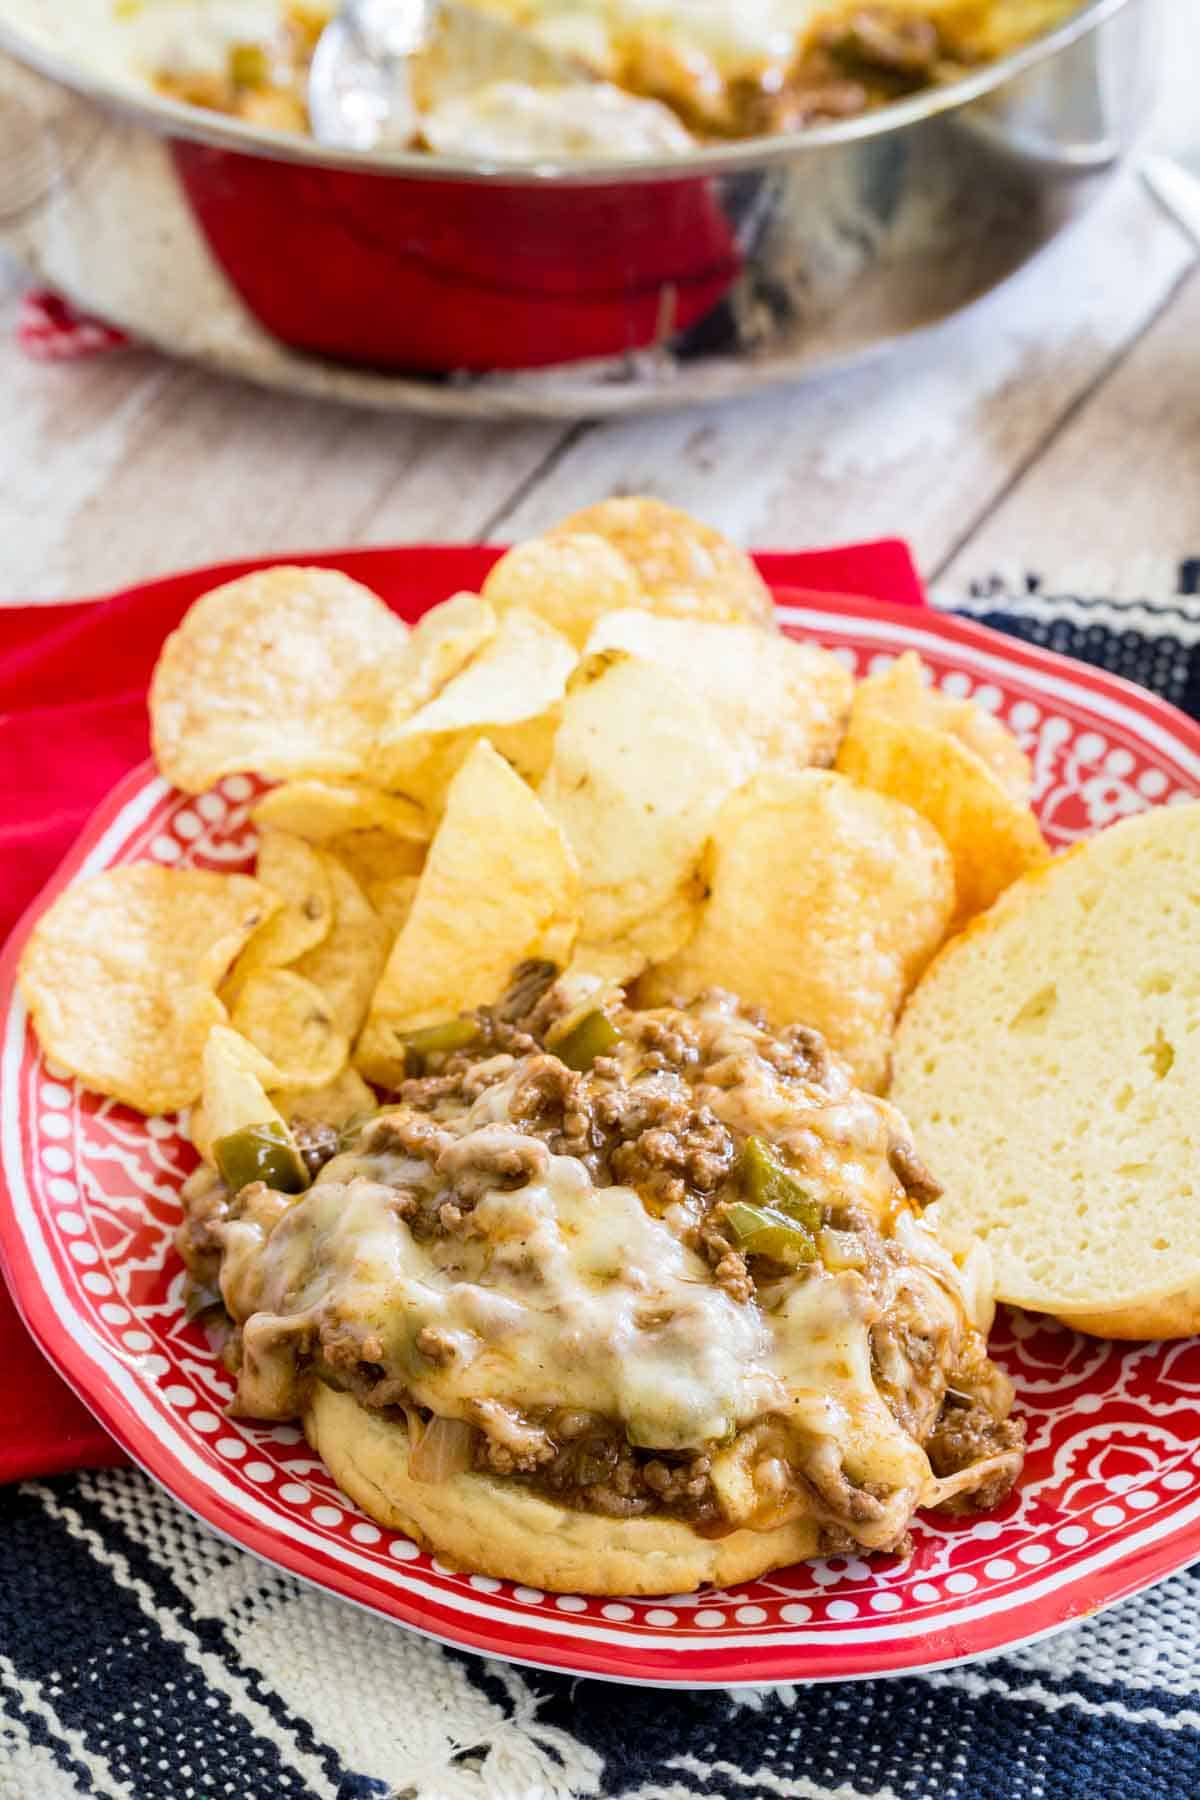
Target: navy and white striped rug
point(142, 1658)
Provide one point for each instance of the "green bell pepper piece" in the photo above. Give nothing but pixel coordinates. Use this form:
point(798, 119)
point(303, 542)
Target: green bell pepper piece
point(595, 1035)
point(261, 1153)
point(768, 1182)
point(761, 1231)
point(441, 1039)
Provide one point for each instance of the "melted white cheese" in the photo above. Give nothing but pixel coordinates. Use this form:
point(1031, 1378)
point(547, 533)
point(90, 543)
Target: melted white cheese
point(562, 1294)
point(509, 121)
point(565, 1293)
point(734, 33)
point(569, 1295)
point(191, 37)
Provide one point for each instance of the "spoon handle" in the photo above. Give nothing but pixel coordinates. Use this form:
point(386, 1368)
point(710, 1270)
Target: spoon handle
point(389, 30)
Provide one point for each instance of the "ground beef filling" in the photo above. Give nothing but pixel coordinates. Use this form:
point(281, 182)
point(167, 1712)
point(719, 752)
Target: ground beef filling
point(634, 1120)
point(316, 1142)
point(645, 1116)
point(872, 55)
point(966, 1434)
point(587, 1463)
point(575, 1458)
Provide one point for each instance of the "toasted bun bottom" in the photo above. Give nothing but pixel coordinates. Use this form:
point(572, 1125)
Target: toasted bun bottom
point(491, 1526)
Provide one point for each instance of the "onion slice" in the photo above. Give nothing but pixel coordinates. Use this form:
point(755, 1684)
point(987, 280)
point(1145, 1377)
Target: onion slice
point(966, 1481)
point(444, 1447)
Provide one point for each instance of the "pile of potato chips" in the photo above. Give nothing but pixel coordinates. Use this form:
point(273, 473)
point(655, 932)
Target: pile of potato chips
point(609, 759)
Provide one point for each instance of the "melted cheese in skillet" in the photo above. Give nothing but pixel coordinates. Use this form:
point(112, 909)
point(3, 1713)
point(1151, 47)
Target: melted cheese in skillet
point(741, 36)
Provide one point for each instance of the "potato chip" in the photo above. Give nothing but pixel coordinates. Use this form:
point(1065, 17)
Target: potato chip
point(200, 1131)
point(902, 693)
point(442, 642)
point(232, 1067)
point(826, 901)
point(285, 672)
point(373, 856)
point(296, 873)
point(321, 810)
point(236, 1075)
point(892, 745)
point(778, 702)
point(636, 779)
point(120, 972)
point(616, 965)
point(570, 580)
point(510, 694)
point(380, 1052)
point(393, 899)
point(291, 868)
point(684, 568)
point(289, 1019)
point(993, 743)
point(344, 1098)
point(227, 1048)
point(992, 838)
point(347, 964)
point(500, 886)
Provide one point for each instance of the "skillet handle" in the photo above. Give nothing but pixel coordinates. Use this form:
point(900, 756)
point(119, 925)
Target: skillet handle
point(1078, 111)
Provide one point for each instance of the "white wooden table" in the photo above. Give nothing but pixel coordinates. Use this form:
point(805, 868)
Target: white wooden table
point(1055, 427)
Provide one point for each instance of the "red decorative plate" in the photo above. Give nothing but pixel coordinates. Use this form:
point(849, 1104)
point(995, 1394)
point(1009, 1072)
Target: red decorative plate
point(1111, 1496)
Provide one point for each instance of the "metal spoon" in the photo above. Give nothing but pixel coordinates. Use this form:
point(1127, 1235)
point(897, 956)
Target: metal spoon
point(380, 63)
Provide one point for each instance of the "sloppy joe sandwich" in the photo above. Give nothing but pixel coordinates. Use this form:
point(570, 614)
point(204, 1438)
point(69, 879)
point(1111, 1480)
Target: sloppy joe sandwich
point(608, 1299)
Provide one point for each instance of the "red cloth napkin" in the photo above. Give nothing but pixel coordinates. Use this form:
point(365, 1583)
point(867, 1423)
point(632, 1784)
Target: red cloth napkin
point(50, 330)
point(73, 721)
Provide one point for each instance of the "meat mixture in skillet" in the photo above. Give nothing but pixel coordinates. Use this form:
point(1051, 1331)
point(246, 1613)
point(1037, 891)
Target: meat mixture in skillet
point(724, 77)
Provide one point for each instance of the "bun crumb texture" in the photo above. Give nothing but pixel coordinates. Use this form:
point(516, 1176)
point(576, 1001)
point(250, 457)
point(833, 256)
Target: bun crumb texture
point(1049, 1064)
